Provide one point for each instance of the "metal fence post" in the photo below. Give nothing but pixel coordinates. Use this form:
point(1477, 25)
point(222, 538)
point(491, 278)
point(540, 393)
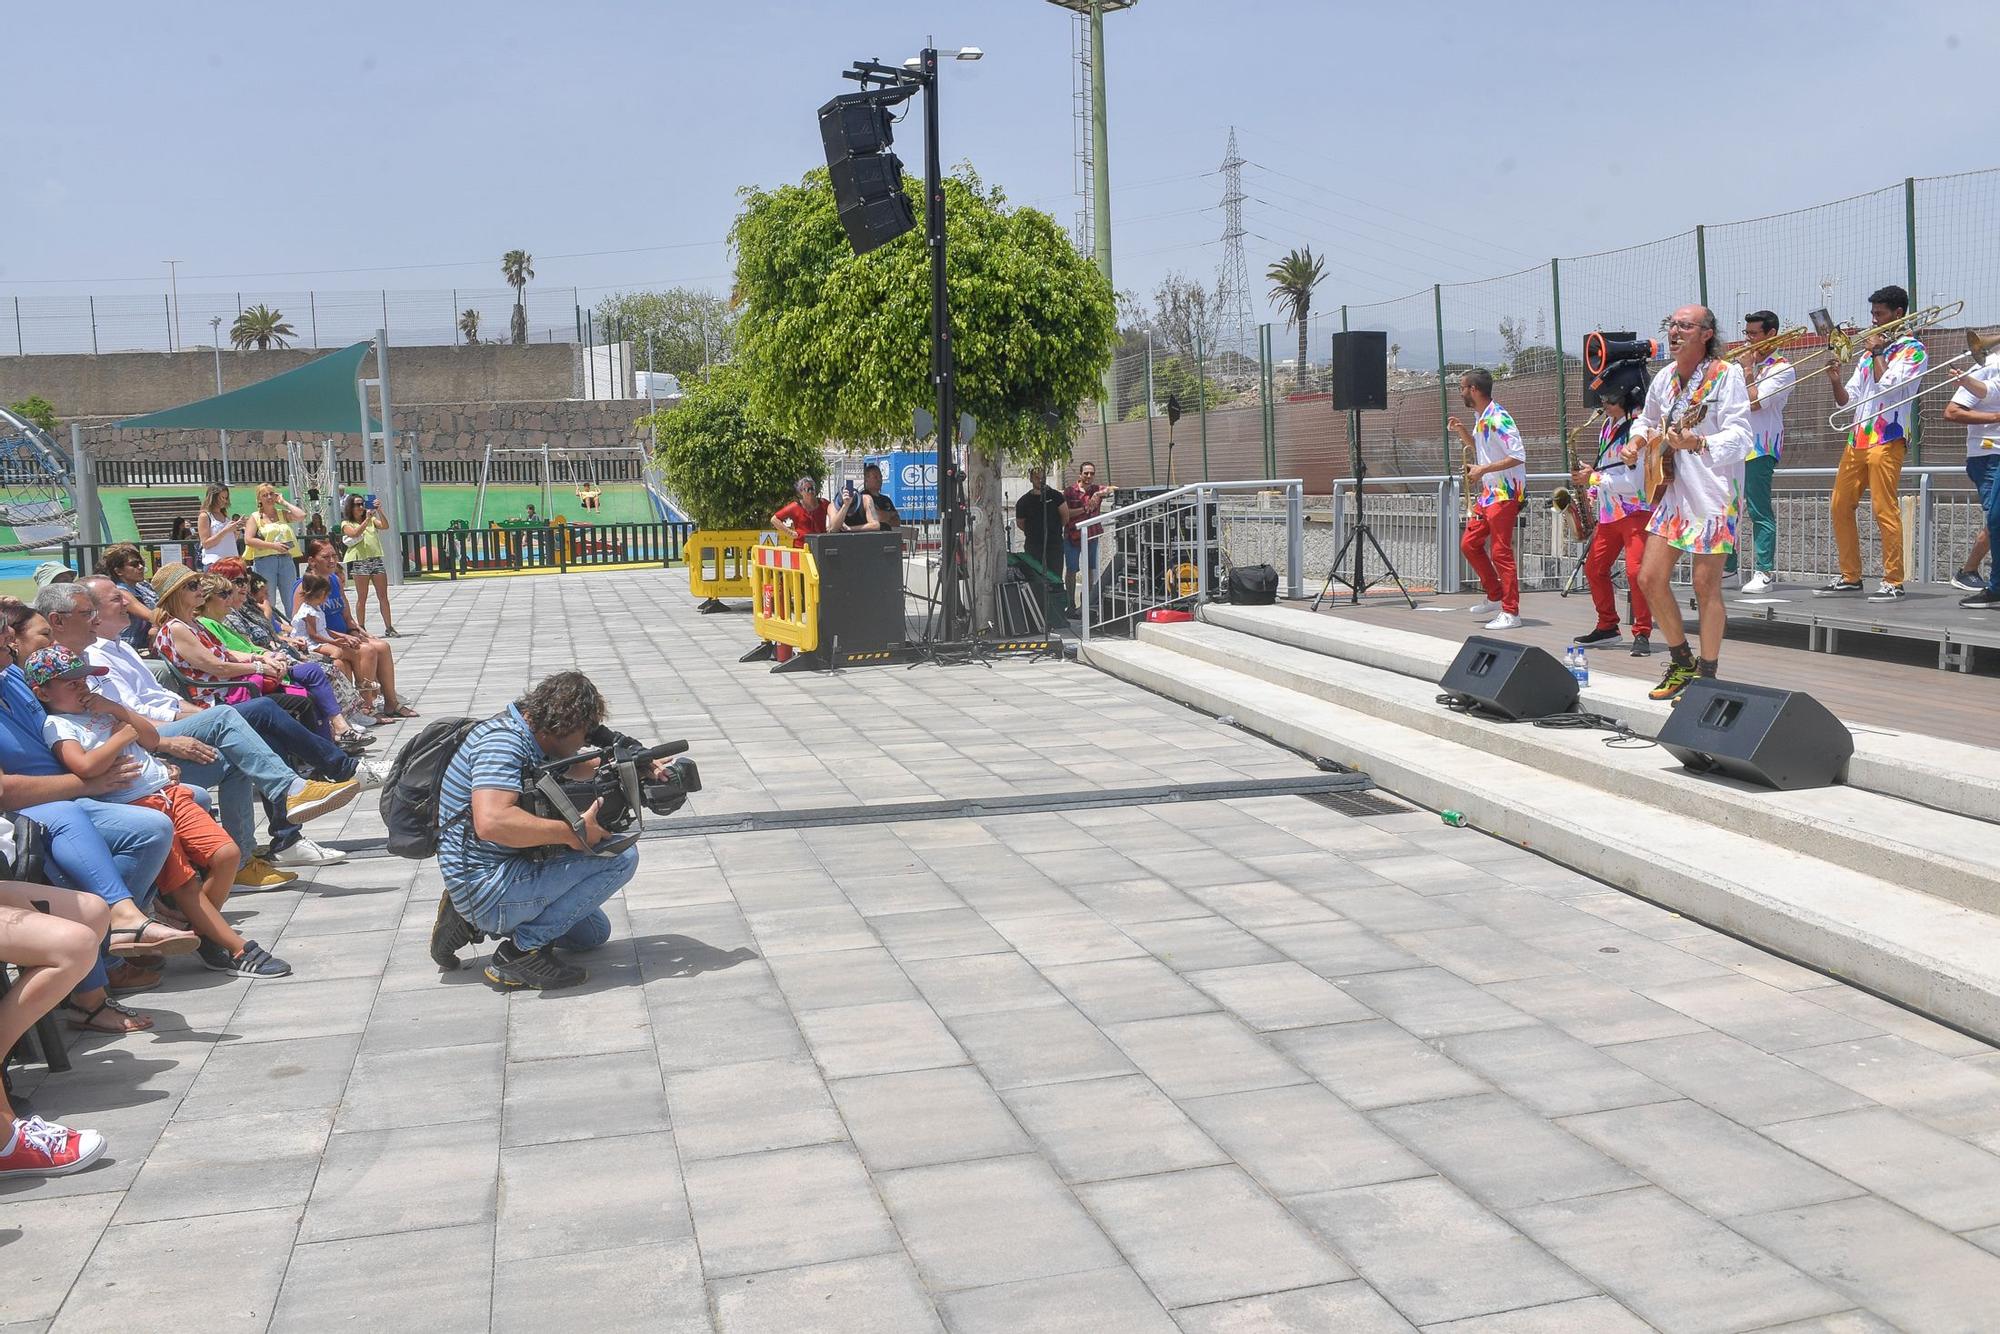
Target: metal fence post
point(167, 305)
point(312, 305)
point(93, 326)
point(454, 317)
point(1267, 381)
point(20, 347)
point(1295, 538)
point(1926, 518)
point(1444, 394)
point(1152, 465)
point(1910, 248)
point(1562, 367)
point(1201, 399)
point(1701, 260)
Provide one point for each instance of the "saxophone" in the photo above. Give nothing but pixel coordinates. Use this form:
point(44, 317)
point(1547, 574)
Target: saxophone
point(1468, 455)
point(1582, 519)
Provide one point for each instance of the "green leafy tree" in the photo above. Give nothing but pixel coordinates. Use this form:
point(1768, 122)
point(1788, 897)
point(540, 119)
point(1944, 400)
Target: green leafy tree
point(262, 328)
point(37, 411)
point(1292, 280)
point(468, 326)
point(517, 266)
point(681, 328)
point(838, 345)
point(726, 465)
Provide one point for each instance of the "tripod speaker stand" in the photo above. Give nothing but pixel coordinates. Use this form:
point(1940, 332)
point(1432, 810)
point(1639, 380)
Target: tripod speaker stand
point(1360, 380)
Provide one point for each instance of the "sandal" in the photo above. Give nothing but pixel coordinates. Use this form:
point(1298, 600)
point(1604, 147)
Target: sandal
point(138, 1023)
point(400, 711)
point(178, 942)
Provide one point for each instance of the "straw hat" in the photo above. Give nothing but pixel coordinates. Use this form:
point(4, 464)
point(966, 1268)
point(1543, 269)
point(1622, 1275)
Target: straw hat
point(168, 579)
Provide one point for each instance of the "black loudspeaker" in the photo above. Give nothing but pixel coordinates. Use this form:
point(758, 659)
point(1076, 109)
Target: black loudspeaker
point(1360, 369)
point(867, 177)
point(1253, 586)
point(1780, 738)
point(860, 590)
point(1513, 680)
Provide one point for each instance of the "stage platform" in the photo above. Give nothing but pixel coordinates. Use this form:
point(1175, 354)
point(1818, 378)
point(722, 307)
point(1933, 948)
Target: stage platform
point(1885, 673)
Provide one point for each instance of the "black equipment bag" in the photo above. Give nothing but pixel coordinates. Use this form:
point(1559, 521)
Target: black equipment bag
point(1253, 586)
point(409, 800)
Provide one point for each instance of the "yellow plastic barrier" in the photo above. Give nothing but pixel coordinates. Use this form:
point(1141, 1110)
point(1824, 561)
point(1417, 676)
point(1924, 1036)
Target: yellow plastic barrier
point(784, 597)
point(719, 562)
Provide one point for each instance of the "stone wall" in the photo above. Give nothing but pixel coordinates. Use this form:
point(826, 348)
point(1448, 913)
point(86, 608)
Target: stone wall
point(443, 431)
point(124, 384)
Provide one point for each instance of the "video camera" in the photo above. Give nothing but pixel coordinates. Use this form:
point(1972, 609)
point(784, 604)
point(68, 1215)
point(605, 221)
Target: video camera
point(1616, 362)
point(623, 782)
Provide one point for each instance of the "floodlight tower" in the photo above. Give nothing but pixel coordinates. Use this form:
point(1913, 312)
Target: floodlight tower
point(1092, 50)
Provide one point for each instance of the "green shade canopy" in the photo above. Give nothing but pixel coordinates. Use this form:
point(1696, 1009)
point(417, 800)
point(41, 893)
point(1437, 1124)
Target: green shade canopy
point(318, 396)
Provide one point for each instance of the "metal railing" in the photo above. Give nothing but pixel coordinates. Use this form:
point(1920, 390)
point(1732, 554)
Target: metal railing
point(452, 552)
point(1418, 520)
point(1168, 551)
point(436, 472)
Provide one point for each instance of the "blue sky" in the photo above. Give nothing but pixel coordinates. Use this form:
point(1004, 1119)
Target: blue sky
point(369, 145)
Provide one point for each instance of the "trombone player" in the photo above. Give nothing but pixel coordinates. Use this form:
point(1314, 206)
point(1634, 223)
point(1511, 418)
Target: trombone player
point(1697, 407)
point(1768, 380)
point(1883, 414)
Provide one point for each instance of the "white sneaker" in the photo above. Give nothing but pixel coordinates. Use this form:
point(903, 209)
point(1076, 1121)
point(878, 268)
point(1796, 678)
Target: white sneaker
point(305, 852)
point(1484, 608)
point(370, 774)
point(1506, 620)
point(1759, 582)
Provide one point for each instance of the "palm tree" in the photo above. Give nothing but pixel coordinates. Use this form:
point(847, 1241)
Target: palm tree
point(468, 324)
point(517, 266)
point(1292, 281)
point(261, 327)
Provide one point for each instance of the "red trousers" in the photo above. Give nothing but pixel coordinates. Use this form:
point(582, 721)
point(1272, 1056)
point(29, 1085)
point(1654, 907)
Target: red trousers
point(1498, 575)
point(1626, 537)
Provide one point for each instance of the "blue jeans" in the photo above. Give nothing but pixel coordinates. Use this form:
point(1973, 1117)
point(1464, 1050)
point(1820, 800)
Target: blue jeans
point(281, 572)
point(558, 901)
point(106, 849)
point(243, 762)
point(1984, 470)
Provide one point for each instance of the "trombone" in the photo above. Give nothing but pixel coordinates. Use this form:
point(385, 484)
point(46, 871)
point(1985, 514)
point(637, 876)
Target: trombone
point(1977, 348)
point(1765, 346)
point(1841, 344)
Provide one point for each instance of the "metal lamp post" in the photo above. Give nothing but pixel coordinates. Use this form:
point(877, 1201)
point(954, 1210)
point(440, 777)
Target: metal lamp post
point(215, 337)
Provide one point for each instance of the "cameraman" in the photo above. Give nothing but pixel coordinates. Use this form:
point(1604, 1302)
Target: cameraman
point(503, 874)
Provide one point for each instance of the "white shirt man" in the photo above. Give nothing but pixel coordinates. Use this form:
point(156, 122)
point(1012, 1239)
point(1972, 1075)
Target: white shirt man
point(1881, 391)
point(1976, 403)
point(1769, 383)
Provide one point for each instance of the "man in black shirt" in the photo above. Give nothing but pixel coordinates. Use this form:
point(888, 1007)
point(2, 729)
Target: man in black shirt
point(1040, 514)
point(869, 510)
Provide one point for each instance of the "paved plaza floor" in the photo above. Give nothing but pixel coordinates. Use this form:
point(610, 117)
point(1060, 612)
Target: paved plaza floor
point(1252, 1065)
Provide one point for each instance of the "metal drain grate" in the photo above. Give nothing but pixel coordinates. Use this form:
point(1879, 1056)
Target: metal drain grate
point(1358, 803)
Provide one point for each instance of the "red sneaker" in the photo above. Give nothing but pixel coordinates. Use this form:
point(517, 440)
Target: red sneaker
point(41, 1148)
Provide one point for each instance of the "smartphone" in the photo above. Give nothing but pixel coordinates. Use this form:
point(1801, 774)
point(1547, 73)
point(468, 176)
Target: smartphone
point(1822, 322)
point(369, 500)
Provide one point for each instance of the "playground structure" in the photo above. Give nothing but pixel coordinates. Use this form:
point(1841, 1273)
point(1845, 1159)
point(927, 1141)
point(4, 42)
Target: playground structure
point(588, 470)
point(38, 487)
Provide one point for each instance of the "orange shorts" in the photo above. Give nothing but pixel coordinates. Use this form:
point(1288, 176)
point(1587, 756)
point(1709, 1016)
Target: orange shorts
point(198, 839)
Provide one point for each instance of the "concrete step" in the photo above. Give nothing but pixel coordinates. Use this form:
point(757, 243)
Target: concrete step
point(1948, 855)
point(1929, 770)
point(1933, 955)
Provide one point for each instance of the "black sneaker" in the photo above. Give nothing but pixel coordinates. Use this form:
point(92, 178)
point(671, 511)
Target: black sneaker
point(1981, 601)
point(1839, 586)
point(450, 933)
point(542, 969)
point(1600, 635)
point(1642, 646)
point(254, 961)
point(1887, 592)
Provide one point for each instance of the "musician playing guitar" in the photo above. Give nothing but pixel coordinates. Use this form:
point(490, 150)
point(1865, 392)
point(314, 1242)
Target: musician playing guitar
point(1698, 409)
point(1612, 486)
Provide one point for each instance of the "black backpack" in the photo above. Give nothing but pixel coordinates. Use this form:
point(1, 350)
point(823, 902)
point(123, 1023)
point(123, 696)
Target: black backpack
point(410, 798)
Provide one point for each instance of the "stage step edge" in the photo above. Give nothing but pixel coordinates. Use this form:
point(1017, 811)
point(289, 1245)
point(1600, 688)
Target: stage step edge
point(1936, 957)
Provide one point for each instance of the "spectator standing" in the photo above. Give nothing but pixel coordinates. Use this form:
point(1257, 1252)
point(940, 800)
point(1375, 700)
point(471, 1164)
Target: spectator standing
point(361, 529)
point(1085, 498)
point(220, 534)
point(805, 515)
point(270, 540)
point(1041, 514)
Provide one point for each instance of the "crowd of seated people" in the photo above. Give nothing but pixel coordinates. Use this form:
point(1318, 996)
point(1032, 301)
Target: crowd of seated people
point(143, 719)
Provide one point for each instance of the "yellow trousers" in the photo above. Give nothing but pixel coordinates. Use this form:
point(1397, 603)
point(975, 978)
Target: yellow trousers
point(1878, 470)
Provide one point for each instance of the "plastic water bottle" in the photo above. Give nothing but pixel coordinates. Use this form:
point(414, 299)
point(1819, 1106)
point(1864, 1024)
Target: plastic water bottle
point(1583, 669)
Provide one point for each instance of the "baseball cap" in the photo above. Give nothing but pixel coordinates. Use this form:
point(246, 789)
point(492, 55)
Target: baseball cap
point(53, 572)
point(56, 663)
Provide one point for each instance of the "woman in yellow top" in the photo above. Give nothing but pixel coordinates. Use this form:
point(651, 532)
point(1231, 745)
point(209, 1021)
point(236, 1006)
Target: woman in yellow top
point(270, 541)
point(361, 526)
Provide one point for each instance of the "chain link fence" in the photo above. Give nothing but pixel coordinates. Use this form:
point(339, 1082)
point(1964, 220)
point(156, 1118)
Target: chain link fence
point(1252, 409)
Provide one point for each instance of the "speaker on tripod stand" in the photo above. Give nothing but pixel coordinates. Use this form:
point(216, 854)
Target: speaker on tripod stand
point(1360, 381)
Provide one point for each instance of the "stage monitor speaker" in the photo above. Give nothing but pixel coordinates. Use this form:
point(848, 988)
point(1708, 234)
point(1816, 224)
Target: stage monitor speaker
point(860, 590)
point(1779, 738)
point(1514, 680)
point(1360, 369)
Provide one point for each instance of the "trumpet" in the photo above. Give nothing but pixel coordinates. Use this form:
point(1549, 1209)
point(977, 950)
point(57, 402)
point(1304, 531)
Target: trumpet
point(1978, 347)
point(1841, 344)
point(1565, 501)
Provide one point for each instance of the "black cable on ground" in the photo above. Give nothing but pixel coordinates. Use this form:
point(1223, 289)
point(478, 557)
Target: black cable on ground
point(1622, 737)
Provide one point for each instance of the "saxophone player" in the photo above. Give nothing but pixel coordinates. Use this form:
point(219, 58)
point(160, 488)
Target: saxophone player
point(1613, 488)
point(1500, 472)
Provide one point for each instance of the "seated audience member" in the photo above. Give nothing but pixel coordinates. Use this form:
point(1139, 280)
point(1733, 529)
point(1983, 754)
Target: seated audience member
point(125, 567)
point(219, 596)
point(103, 848)
point(54, 951)
point(90, 734)
point(258, 736)
point(373, 659)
